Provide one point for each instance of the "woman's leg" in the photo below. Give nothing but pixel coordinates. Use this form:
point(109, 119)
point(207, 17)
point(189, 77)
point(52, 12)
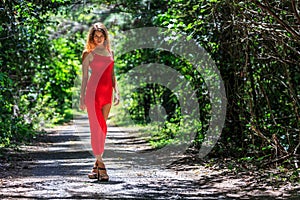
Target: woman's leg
point(105, 111)
point(99, 161)
point(98, 118)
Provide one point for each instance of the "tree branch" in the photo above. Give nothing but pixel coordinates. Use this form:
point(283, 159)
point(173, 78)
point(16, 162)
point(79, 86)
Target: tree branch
point(295, 11)
point(281, 22)
point(283, 158)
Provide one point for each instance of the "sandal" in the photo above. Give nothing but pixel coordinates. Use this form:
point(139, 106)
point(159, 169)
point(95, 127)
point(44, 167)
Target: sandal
point(93, 174)
point(102, 174)
point(99, 173)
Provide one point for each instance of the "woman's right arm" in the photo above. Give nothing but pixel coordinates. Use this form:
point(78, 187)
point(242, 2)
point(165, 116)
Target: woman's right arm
point(85, 77)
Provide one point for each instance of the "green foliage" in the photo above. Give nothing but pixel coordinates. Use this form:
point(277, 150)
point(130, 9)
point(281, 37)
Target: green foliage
point(34, 87)
point(261, 92)
point(59, 77)
point(255, 46)
point(140, 102)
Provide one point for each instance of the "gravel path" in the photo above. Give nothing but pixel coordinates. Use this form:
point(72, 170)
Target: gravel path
point(61, 161)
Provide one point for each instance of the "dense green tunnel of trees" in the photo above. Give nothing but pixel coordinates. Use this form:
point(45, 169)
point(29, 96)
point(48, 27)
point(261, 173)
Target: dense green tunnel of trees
point(255, 45)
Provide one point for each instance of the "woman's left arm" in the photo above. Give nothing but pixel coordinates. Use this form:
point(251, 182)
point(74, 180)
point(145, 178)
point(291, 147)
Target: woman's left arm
point(116, 89)
point(115, 86)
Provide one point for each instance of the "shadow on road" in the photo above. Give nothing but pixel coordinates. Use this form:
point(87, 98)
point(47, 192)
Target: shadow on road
point(62, 159)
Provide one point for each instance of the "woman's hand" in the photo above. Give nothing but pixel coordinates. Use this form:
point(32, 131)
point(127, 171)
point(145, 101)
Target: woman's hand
point(82, 105)
point(116, 98)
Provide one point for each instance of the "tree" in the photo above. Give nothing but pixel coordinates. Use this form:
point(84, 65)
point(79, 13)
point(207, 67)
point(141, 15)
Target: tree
point(256, 47)
point(28, 75)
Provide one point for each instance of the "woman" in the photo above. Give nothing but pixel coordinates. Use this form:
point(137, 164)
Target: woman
point(97, 91)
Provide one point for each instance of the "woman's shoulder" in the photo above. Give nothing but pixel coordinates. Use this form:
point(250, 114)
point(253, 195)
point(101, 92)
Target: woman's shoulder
point(85, 53)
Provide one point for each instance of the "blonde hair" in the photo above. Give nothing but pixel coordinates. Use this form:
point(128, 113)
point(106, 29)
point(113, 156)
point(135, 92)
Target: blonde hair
point(90, 45)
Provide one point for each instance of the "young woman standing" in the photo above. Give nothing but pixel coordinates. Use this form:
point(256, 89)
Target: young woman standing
point(97, 92)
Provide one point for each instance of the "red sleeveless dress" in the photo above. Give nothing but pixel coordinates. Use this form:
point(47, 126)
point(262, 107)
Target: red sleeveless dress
point(99, 93)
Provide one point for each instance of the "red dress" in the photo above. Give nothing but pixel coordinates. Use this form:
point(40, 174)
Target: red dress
point(99, 93)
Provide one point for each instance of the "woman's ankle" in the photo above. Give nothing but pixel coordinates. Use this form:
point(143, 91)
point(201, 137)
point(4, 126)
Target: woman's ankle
point(100, 164)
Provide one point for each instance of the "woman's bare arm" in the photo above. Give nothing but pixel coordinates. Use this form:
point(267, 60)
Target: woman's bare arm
point(115, 86)
point(85, 77)
point(116, 89)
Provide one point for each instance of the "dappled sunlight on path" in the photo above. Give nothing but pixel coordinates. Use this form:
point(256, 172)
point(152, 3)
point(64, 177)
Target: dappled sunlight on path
point(62, 160)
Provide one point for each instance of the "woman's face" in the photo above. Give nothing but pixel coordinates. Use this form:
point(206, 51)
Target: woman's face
point(98, 38)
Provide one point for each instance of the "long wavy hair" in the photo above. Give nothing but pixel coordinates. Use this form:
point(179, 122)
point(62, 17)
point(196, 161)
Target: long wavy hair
point(90, 45)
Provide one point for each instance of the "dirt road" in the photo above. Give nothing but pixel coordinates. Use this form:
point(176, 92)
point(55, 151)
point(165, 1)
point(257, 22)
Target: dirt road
point(61, 161)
